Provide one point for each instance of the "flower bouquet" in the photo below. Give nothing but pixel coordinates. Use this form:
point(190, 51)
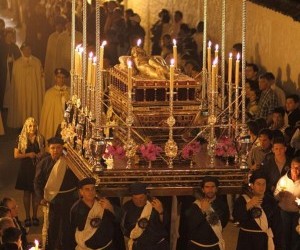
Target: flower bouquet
point(116, 151)
point(150, 152)
point(111, 152)
point(225, 148)
point(189, 150)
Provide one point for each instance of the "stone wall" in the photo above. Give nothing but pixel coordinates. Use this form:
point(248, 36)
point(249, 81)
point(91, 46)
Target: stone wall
point(272, 39)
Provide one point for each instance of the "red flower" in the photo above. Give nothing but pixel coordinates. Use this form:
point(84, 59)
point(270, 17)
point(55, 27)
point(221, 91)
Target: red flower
point(115, 151)
point(225, 147)
point(190, 149)
point(150, 151)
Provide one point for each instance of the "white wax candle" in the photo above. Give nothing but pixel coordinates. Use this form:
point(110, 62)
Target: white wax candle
point(216, 51)
point(89, 72)
point(36, 244)
point(209, 57)
point(213, 76)
point(230, 68)
point(102, 54)
point(80, 52)
point(237, 70)
point(93, 73)
point(175, 54)
point(282, 184)
point(129, 84)
point(172, 72)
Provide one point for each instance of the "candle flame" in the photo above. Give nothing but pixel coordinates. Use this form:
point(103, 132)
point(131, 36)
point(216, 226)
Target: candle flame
point(172, 62)
point(215, 62)
point(94, 59)
point(298, 201)
point(91, 55)
point(36, 243)
point(139, 42)
point(80, 50)
point(78, 46)
point(238, 56)
point(104, 43)
point(217, 47)
point(174, 42)
point(282, 183)
point(129, 63)
point(209, 44)
point(230, 55)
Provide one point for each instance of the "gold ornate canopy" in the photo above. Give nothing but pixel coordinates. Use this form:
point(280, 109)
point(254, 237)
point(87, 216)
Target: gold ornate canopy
point(146, 100)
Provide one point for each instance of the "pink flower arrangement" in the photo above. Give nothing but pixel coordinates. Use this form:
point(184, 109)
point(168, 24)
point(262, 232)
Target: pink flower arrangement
point(115, 151)
point(225, 147)
point(150, 151)
point(190, 149)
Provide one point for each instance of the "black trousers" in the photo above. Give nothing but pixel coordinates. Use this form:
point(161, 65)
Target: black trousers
point(59, 231)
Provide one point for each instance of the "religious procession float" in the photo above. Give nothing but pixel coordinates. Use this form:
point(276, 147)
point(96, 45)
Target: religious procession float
point(144, 120)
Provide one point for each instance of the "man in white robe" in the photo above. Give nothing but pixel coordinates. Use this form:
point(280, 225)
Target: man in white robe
point(63, 52)
point(52, 45)
point(27, 89)
point(54, 104)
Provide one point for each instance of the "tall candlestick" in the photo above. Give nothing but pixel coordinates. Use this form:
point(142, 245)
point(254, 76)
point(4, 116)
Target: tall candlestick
point(80, 52)
point(216, 51)
point(213, 85)
point(102, 54)
point(175, 54)
point(89, 72)
point(129, 84)
point(76, 60)
point(237, 70)
point(209, 57)
point(213, 76)
point(172, 71)
point(230, 68)
point(93, 73)
point(217, 58)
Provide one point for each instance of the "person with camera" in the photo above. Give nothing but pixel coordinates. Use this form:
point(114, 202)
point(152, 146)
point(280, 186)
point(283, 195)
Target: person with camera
point(259, 217)
point(207, 217)
point(92, 219)
point(144, 221)
point(55, 186)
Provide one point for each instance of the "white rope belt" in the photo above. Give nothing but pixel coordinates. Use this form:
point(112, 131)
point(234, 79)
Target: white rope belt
point(252, 230)
point(107, 245)
point(67, 191)
point(202, 245)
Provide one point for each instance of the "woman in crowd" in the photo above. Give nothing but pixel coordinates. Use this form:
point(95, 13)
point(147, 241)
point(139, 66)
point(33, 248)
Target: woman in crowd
point(30, 146)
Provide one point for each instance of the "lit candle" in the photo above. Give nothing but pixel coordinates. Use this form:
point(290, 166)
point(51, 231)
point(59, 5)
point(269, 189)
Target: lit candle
point(209, 57)
point(77, 58)
point(93, 73)
point(237, 70)
point(139, 42)
point(129, 84)
point(282, 184)
point(172, 72)
point(102, 54)
point(230, 68)
point(216, 51)
point(175, 55)
point(213, 85)
point(89, 72)
point(213, 76)
point(80, 52)
point(36, 244)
